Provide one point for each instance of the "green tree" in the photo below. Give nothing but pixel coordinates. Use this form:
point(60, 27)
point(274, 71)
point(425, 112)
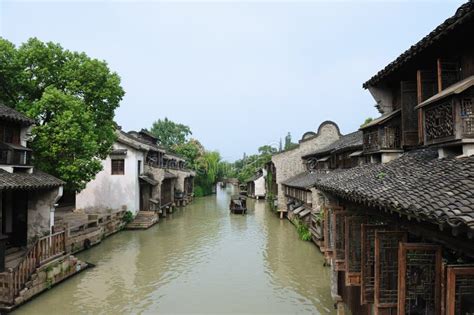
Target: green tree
point(191, 150)
point(67, 145)
point(288, 143)
point(48, 83)
point(367, 120)
point(208, 168)
point(169, 133)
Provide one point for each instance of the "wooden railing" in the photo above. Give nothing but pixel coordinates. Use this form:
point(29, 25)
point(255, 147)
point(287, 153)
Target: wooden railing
point(44, 250)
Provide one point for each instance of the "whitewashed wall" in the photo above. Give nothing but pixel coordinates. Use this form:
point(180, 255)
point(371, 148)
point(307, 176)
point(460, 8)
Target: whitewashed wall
point(260, 189)
point(113, 192)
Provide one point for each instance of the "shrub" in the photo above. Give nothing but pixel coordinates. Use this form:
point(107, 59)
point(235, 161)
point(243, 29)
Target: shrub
point(303, 232)
point(198, 191)
point(128, 217)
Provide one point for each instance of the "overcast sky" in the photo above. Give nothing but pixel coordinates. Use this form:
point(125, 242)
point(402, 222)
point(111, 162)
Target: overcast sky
point(241, 74)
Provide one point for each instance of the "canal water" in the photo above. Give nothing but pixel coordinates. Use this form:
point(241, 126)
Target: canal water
point(201, 259)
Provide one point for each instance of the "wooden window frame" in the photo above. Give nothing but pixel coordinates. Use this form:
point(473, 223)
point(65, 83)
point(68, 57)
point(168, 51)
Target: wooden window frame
point(402, 270)
point(114, 170)
point(339, 262)
point(402, 237)
point(451, 275)
point(353, 278)
point(365, 286)
point(328, 249)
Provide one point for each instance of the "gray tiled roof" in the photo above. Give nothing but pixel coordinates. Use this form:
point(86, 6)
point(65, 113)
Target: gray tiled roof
point(416, 184)
point(350, 141)
point(36, 180)
point(463, 15)
point(8, 113)
point(304, 180)
point(380, 120)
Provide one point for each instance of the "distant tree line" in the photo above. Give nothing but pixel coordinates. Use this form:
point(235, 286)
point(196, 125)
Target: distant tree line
point(208, 165)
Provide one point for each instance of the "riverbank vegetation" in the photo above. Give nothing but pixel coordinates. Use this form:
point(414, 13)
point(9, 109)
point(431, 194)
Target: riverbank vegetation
point(246, 167)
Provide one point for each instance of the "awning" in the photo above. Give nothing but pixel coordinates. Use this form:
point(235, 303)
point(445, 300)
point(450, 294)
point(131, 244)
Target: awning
point(304, 213)
point(382, 119)
point(456, 88)
point(148, 180)
point(324, 159)
point(357, 153)
point(298, 210)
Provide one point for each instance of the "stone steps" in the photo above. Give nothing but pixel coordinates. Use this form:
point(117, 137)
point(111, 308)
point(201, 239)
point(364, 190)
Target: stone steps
point(143, 220)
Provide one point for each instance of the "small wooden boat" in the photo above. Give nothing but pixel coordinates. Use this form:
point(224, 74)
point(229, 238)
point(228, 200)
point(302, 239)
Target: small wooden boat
point(238, 205)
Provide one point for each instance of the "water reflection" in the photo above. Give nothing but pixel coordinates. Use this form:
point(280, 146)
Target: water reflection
point(202, 259)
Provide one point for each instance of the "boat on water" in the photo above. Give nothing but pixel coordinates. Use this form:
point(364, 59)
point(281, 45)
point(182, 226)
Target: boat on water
point(238, 205)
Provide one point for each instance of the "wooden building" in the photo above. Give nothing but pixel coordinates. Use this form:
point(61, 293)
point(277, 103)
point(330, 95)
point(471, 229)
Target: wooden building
point(398, 228)
point(289, 163)
point(302, 199)
point(28, 242)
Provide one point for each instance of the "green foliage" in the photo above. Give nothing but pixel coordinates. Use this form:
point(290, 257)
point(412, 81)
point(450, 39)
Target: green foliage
point(381, 175)
point(319, 216)
point(128, 217)
point(208, 165)
point(208, 171)
point(303, 231)
point(67, 145)
point(367, 120)
point(191, 150)
point(199, 191)
point(288, 143)
point(72, 98)
point(169, 133)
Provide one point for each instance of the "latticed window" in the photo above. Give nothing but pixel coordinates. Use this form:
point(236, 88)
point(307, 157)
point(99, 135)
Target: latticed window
point(386, 268)
point(439, 121)
point(419, 279)
point(118, 167)
point(368, 261)
point(371, 140)
point(391, 138)
point(339, 238)
point(467, 116)
point(353, 249)
point(329, 238)
point(460, 290)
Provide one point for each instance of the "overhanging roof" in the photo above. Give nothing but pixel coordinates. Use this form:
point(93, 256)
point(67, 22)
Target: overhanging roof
point(25, 181)
point(382, 119)
point(148, 180)
point(456, 88)
point(11, 114)
point(463, 15)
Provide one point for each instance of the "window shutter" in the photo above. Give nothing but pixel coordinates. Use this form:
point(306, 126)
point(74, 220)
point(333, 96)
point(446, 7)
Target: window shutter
point(419, 277)
point(353, 249)
point(386, 269)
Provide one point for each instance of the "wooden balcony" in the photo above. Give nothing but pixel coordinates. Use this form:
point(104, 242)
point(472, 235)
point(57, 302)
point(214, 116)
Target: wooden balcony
point(382, 139)
point(15, 155)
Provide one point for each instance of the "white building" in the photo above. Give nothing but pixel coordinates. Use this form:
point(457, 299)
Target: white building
point(117, 186)
point(256, 185)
